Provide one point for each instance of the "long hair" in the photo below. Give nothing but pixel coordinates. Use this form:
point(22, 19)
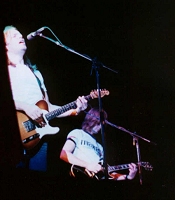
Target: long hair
point(7, 38)
point(92, 119)
point(7, 33)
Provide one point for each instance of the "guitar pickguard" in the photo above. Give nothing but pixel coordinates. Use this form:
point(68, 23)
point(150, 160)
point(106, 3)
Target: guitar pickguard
point(30, 132)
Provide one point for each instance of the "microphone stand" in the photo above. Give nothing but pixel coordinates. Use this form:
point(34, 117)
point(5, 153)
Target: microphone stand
point(135, 143)
point(95, 66)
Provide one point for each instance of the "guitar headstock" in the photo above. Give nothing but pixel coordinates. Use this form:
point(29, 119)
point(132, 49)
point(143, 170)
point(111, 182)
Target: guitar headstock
point(95, 93)
point(147, 166)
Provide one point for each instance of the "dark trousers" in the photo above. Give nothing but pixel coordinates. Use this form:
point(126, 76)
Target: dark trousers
point(37, 162)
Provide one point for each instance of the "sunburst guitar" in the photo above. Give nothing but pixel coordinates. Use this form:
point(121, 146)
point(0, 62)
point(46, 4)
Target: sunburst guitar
point(77, 171)
point(31, 132)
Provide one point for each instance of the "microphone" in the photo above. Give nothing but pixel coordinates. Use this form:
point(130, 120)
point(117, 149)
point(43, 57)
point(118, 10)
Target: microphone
point(34, 34)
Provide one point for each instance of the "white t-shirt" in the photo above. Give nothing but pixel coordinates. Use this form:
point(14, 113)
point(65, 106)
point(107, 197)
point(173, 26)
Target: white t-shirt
point(24, 84)
point(86, 147)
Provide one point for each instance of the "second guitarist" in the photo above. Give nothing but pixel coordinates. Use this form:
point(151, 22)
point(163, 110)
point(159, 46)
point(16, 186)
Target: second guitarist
point(82, 149)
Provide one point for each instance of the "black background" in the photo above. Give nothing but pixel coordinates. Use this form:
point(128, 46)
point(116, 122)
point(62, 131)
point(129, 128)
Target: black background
point(135, 38)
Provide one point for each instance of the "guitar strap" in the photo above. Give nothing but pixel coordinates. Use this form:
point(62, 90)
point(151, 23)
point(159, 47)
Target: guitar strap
point(39, 83)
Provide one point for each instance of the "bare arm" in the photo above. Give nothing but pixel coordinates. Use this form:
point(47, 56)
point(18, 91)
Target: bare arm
point(81, 105)
point(67, 156)
point(32, 111)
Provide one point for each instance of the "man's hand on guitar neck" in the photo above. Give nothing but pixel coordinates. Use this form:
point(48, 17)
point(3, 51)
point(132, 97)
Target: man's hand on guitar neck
point(132, 171)
point(81, 104)
point(130, 176)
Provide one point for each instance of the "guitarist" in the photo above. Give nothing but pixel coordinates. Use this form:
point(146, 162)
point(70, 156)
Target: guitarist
point(82, 149)
point(27, 85)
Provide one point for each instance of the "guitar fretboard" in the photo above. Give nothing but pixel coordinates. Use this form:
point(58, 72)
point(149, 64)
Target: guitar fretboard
point(63, 109)
point(118, 167)
point(59, 111)
point(30, 124)
point(146, 165)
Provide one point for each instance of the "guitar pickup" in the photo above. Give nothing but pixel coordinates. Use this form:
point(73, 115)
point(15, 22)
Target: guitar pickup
point(32, 137)
point(29, 125)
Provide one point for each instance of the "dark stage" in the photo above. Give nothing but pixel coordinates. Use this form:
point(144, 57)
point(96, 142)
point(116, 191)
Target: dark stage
point(134, 38)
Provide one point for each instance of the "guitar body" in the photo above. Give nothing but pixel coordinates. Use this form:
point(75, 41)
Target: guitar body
point(30, 132)
point(81, 172)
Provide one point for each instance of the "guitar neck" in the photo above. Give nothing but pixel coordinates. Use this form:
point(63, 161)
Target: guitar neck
point(118, 167)
point(51, 115)
point(146, 165)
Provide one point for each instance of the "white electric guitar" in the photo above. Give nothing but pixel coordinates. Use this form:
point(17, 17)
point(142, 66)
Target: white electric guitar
point(31, 132)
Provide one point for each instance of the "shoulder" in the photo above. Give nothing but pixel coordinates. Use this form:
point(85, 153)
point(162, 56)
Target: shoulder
point(75, 132)
point(75, 135)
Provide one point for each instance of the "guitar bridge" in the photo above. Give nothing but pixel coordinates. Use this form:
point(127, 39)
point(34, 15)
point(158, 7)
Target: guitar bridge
point(32, 137)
